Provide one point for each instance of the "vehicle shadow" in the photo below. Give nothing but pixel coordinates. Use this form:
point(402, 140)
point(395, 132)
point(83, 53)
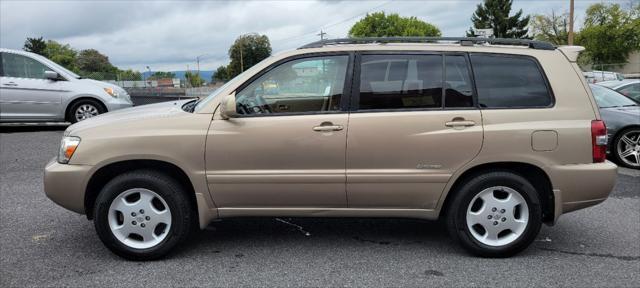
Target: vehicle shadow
point(22, 128)
point(236, 234)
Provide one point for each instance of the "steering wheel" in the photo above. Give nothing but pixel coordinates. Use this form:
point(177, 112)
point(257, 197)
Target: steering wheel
point(261, 104)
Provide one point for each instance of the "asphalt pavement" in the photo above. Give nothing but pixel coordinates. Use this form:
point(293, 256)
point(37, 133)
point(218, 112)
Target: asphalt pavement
point(42, 244)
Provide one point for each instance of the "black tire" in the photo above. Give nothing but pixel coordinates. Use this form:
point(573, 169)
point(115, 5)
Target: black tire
point(183, 218)
point(614, 147)
point(457, 211)
point(71, 117)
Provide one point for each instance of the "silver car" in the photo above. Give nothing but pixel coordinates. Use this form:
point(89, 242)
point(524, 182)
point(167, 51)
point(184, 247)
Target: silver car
point(34, 88)
point(626, 87)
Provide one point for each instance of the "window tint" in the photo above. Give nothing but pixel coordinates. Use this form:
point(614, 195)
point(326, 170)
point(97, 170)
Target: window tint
point(632, 90)
point(304, 85)
point(400, 81)
point(458, 91)
point(607, 98)
point(14, 65)
point(506, 81)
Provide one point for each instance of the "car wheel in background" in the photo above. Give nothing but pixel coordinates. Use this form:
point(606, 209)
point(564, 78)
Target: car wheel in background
point(626, 148)
point(84, 109)
point(496, 214)
point(142, 215)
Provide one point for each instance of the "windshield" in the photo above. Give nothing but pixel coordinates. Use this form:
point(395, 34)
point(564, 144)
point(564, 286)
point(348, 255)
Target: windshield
point(608, 98)
point(203, 102)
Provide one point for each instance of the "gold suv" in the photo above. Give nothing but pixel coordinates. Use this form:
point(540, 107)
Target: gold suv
point(495, 136)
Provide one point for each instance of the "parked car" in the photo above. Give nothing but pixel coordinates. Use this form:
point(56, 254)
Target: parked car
point(599, 76)
point(626, 87)
point(622, 117)
point(35, 89)
point(496, 136)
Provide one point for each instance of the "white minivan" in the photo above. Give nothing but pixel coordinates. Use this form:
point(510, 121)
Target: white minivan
point(35, 89)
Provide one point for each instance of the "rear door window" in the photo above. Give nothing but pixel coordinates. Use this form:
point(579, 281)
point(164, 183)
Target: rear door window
point(509, 82)
point(458, 91)
point(400, 82)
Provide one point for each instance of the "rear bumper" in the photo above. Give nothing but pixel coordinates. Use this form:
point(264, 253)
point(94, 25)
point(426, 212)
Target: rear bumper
point(65, 184)
point(579, 186)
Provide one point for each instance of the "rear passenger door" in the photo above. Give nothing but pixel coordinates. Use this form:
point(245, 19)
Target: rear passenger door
point(413, 124)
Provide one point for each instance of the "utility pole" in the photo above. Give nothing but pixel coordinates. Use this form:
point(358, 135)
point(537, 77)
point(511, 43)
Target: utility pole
point(241, 63)
point(198, 63)
point(321, 34)
point(570, 40)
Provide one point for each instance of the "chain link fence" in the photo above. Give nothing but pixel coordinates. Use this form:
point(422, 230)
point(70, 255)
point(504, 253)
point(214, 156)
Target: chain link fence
point(611, 71)
point(147, 90)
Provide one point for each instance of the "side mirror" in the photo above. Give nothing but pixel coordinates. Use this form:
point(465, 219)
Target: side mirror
point(54, 76)
point(228, 107)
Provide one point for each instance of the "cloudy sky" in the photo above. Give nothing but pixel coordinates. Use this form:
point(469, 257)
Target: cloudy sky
point(169, 35)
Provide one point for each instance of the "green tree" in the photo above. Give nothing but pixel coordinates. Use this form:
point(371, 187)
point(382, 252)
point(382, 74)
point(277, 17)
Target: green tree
point(221, 74)
point(62, 54)
point(553, 28)
point(379, 24)
point(162, 75)
point(129, 75)
point(90, 60)
point(494, 14)
point(193, 79)
point(246, 51)
point(35, 45)
point(609, 33)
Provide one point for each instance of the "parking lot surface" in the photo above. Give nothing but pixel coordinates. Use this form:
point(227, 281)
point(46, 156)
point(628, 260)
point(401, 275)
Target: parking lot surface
point(42, 244)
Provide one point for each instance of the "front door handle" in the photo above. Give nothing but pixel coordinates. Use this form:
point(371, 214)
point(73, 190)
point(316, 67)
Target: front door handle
point(459, 122)
point(12, 84)
point(327, 127)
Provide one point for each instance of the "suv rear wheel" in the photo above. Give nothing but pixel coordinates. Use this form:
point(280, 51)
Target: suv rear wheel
point(496, 214)
point(142, 215)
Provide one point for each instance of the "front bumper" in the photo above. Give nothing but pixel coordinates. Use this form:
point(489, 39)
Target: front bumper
point(65, 184)
point(118, 104)
point(579, 186)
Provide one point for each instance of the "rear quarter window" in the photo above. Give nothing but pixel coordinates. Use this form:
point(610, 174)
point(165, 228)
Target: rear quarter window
point(506, 81)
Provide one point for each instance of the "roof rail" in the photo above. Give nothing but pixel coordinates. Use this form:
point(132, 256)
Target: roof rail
point(464, 41)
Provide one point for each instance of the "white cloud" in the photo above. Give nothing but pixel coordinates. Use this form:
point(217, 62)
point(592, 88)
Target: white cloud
point(168, 35)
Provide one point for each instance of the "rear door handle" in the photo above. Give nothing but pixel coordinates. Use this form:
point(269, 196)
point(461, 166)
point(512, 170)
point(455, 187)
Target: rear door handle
point(327, 127)
point(12, 84)
point(460, 122)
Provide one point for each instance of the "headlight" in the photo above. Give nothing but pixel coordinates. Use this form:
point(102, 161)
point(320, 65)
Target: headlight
point(68, 146)
point(112, 92)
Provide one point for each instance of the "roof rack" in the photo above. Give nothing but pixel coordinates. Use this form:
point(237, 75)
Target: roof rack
point(464, 41)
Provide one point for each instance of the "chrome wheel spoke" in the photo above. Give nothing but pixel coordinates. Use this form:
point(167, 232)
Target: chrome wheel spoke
point(627, 153)
point(628, 140)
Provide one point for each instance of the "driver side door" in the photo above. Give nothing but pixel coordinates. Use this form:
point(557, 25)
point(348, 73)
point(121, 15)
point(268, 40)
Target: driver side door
point(287, 147)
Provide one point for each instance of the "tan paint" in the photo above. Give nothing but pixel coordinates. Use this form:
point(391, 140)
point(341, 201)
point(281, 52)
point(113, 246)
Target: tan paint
point(385, 164)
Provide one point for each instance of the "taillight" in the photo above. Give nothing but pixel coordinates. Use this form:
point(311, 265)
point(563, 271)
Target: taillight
point(599, 140)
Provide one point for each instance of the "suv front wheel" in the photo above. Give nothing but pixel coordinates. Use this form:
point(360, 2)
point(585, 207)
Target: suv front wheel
point(496, 214)
point(142, 215)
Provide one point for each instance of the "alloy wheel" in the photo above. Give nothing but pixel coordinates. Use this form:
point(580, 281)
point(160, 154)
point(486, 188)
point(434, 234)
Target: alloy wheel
point(86, 111)
point(497, 216)
point(628, 148)
point(139, 218)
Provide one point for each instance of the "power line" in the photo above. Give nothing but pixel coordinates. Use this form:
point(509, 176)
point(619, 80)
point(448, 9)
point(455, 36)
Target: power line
point(334, 24)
